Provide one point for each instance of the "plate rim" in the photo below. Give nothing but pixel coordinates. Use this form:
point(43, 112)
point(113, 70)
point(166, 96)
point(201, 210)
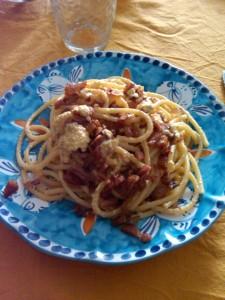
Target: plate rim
point(98, 256)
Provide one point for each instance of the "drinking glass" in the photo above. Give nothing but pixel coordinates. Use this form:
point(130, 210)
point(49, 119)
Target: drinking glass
point(85, 25)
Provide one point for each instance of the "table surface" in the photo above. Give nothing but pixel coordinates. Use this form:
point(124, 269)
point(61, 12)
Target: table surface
point(190, 34)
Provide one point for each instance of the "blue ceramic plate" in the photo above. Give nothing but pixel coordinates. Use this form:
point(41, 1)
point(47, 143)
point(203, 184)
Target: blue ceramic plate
point(54, 228)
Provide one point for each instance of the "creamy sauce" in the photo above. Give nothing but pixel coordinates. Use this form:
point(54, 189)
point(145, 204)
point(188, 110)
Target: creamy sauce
point(75, 137)
point(59, 123)
point(146, 105)
point(108, 147)
point(84, 110)
point(107, 133)
point(132, 93)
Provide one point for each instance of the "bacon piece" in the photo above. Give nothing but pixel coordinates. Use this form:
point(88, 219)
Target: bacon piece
point(129, 186)
point(72, 94)
point(154, 138)
point(136, 94)
point(106, 193)
point(102, 172)
point(102, 168)
point(76, 117)
point(113, 182)
point(109, 203)
point(132, 180)
point(133, 104)
point(72, 89)
point(164, 144)
point(162, 134)
point(122, 120)
point(89, 169)
point(10, 188)
point(144, 172)
point(160, 191)
point(120, 220)
point(79, 174)
point(131, 229)
point(128, 131)
point(94, 163)
point(97, 141)
point(135, 132)
point(163, 160)
point(128, 87)
point(73, 179)
point(97, 159)
point(32, 183)
point(117, 180)
point(161, 125)
point(139, 155)
point(94, 127)
point(159, 140)
point(124, 128)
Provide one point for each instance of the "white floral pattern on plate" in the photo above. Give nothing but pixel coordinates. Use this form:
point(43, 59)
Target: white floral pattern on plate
point(180, 223)
point(22, 197)
point(54, 84)
point(183, 94)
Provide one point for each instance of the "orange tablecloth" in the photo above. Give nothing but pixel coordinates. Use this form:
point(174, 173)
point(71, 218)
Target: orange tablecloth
point(191, 34)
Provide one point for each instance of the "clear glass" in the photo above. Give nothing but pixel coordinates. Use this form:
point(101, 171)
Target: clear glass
point(85, 25)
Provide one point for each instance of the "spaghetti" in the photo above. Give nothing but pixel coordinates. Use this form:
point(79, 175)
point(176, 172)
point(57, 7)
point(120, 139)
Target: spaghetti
point(117, 151)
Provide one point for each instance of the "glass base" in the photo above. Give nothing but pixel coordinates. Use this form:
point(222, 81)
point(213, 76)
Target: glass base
point(75, 49)
point(85, 38)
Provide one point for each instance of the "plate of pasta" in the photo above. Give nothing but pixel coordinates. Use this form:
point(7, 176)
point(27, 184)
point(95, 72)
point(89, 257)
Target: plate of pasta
point(111, 157)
